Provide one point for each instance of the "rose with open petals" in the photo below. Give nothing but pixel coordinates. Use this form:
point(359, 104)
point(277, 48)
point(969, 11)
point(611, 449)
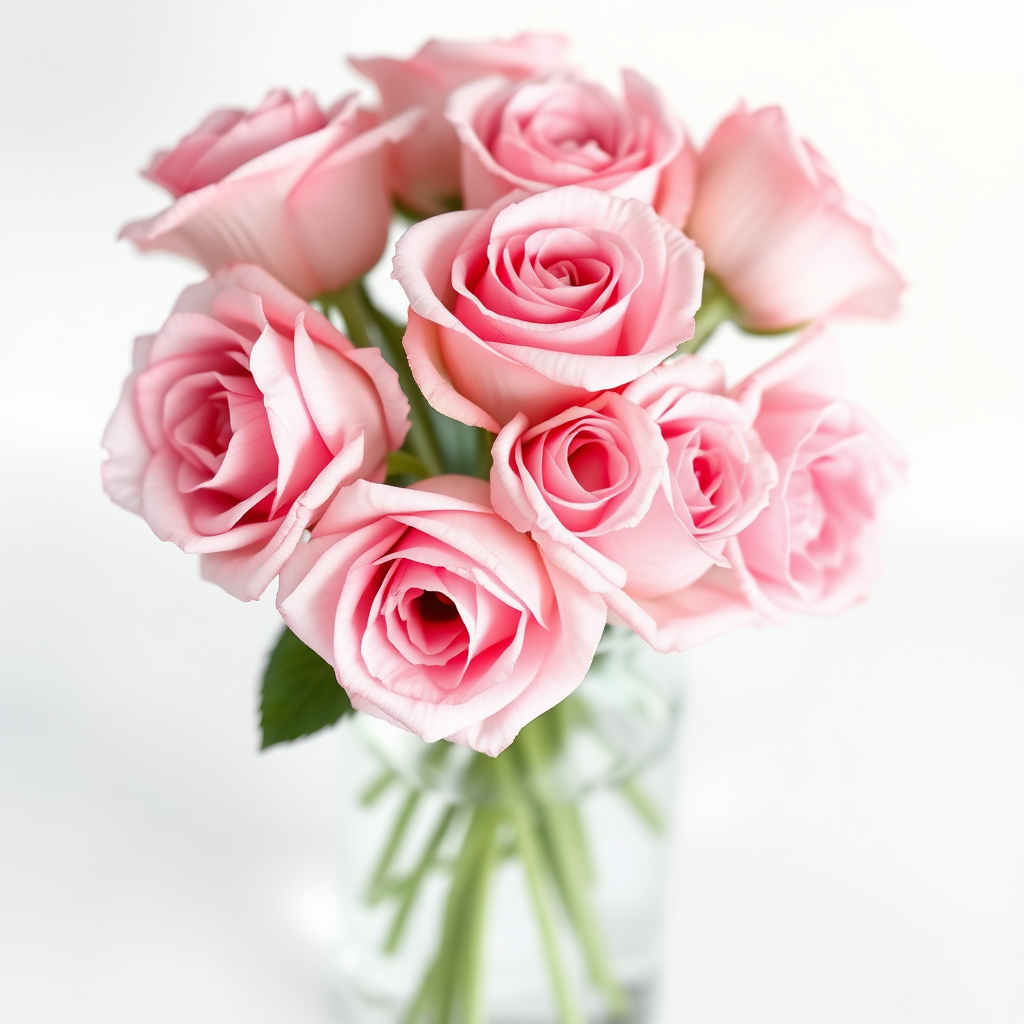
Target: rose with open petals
point(779, 233)
point(815, 548)
point(542, 304)
point(243, 416)
point(637, 495)
point(436, 614)
point(425, 165)
point(580, 475)
point(542, 133)
point(300, 193)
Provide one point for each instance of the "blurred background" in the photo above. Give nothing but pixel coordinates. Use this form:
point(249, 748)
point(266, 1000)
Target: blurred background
point(850, 833)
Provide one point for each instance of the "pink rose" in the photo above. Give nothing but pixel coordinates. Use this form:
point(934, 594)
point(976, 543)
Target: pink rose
point(242, 417)
point(779, 233)
point(815, 547)
point(540, 134)
point(580, 475)
point(542, 304)
point(426, 165)
point(436, 614)
point(638, 495)
point(229, 138)
point(303, 196)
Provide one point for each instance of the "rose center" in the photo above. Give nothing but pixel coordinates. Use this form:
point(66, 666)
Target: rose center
point(589, 465)
point(433, 606)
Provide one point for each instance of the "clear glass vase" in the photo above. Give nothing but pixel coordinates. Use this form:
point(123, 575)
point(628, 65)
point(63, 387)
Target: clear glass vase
point(522, 889)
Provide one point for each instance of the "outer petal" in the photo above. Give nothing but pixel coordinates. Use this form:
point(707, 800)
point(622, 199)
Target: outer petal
point(246, 572)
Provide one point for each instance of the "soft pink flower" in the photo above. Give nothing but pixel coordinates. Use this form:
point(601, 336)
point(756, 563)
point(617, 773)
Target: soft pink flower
point(426, 165)
point(580, 475)
point(242, 417)
point(815, 548)
point(229, 138)
point(638, 495)
point(312, 208)
point(540, 305)
point(436, 614)
point(559, 130)
point(780, 234)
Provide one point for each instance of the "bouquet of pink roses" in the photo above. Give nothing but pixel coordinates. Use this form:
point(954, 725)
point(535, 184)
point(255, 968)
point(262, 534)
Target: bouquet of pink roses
point(459, 508)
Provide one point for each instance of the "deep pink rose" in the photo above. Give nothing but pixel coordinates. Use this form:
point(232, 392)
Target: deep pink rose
point(542, 304)
point(815, 548)
point(426, 165)
point(780, 234)
point(242, 417)
point(303, 196)
point(638, 495)
point(436, 614)
point(540, 134)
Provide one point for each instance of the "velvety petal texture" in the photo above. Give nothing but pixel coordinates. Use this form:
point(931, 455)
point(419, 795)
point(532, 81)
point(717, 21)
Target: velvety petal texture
point(542, 304)
point(301, 194)
point(559, 130)
point(425, 166)
point(436, 614)
point(780, 234)
point(241, 418)
point(815, 548)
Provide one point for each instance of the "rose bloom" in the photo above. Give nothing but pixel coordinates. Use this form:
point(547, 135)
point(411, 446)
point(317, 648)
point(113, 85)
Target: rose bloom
point(539, 134)
point(542, 304)
point(242, 417)
point(425, 165)
point(301, 193)
point(436, 614)
point(815, 548)
point(638, 495)
point(780, 234)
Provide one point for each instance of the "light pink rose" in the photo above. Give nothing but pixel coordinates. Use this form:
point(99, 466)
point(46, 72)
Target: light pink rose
point(559, 130)
point(542, 304)
point(580, 475)
point(436, 614)
point(638, 495)
point(242, 417)
point(815, 548)
point(426, 165)
point(780, 234)
point(313, 208)
point(229, 138)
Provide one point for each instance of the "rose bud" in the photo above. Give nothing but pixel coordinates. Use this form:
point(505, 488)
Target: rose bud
point(301, 193)
point(542, 304)
point(244, 415)
point(539, 134)
point(436, 614)
point(779, 233)
point(425, 165)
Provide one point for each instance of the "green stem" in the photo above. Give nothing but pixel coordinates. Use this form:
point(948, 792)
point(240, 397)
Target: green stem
point(643, 805)
point(378, 889)
point(566, 851)
point(377, 788)
point(529, 850)
point(422, 439)
point(411, 885)
point(715, 308)
point(348, 302)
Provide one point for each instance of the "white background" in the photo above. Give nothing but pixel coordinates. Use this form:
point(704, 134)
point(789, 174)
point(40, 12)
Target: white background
point(850, 834)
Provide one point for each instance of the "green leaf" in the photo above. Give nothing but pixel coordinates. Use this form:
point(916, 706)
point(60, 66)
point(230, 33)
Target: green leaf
point(300, 693)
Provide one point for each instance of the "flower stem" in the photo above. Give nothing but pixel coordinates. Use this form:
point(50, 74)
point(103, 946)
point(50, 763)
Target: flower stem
point(529, 850)
point(715, 308)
